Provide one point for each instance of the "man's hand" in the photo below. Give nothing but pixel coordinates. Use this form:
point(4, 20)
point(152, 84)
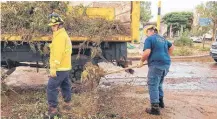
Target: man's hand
point(53, 73)
point(144, 57)
point(140, 64)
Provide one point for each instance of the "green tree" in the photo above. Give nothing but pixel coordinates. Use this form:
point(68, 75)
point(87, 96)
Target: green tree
point(179, 21)
point(145, 13)
point(199, 30)
point(209, 10)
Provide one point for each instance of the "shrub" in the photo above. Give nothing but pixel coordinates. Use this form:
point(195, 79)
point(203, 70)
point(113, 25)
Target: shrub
point(184, 40)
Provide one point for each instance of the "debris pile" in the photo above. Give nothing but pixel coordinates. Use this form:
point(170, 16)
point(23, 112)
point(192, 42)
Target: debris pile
point(109, 67)
point(30, 19)
point(92, 74)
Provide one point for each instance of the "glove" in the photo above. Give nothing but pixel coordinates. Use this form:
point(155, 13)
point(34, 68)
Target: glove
point(140, 64)
point(53, 73)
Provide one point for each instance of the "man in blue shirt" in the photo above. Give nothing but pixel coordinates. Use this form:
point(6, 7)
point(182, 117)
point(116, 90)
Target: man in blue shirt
point(157, 51)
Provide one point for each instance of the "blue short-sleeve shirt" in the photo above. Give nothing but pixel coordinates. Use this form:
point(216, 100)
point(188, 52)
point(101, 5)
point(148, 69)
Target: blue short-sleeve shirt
point(159, 55)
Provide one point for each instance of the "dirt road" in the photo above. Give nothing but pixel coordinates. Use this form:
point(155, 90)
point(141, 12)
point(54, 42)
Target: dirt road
point(190, 89)
point(190, 93)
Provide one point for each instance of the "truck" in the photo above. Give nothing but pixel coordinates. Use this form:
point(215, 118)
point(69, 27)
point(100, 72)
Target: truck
point(213, 50)
point(113, 49)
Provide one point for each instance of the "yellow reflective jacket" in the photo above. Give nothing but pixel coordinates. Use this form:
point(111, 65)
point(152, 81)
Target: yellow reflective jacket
point(60, 51)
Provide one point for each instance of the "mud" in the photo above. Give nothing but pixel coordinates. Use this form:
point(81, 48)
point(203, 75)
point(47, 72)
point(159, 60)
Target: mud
point(190, 90)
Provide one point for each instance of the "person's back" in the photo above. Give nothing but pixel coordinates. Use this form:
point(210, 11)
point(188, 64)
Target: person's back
point(159, 55)
point(157, 51)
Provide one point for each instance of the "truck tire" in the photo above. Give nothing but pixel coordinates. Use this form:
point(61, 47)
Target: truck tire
point(77, 67)
point(11, 64)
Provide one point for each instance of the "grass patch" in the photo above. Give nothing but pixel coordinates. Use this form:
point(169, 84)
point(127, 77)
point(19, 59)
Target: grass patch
point(195, 49)
point(204, 49)
point(28, 104)
point(182, 51)
point(200, 47)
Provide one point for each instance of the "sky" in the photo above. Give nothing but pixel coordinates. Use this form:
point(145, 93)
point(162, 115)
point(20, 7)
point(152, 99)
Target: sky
point(173, 6)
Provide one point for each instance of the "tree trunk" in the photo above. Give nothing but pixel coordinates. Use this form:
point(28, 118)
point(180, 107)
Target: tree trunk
point(171, 30)
point(182, 30)
point(203, 41)
point(214, 32)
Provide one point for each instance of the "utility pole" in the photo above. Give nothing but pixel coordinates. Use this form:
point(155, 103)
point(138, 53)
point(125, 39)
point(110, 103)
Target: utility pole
point(158, 16)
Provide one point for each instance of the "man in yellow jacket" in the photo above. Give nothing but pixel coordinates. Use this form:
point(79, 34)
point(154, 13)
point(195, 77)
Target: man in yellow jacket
point(60, 65)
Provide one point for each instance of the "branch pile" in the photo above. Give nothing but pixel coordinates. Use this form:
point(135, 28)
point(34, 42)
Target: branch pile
point(30, 19)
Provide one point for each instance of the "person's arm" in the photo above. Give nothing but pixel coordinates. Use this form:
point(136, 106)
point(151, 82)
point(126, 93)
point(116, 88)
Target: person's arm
point(146, 52)
point(170, 47)
point(145, 55)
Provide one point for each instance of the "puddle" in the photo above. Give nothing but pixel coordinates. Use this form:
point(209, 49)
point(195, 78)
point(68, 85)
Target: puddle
point(189, 85)
point(185, 83)
point(202, 84)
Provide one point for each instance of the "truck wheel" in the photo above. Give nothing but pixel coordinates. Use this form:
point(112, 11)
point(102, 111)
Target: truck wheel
point(11, 64)
point(215, 60)
point(45, 62)
point(77, 67)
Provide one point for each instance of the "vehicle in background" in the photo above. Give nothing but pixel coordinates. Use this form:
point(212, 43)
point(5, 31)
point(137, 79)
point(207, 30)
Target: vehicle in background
point(114, 48)
point(208, 37)
point(197, 39)
point(213, 51)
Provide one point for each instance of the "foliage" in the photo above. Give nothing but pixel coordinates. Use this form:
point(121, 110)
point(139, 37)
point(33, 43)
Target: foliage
point(205, 49)
point(209, 10)
point(145, 13)
point(31, 18)
point(184, 40)
point(199, 30)
point(25, 18)
point(179, 19)
point(99, 104)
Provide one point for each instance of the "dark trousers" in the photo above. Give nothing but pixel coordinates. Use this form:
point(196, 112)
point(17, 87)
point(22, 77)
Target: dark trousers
point(62, 81)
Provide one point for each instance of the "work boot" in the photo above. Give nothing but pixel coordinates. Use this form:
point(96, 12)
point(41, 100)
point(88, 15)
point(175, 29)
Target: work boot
point(161, 104)
point(67, 106)
point(154, 110)
point(52, 112)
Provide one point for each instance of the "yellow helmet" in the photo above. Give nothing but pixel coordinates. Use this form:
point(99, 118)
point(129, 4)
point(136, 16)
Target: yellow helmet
point(55, 19)
point(149, 27)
